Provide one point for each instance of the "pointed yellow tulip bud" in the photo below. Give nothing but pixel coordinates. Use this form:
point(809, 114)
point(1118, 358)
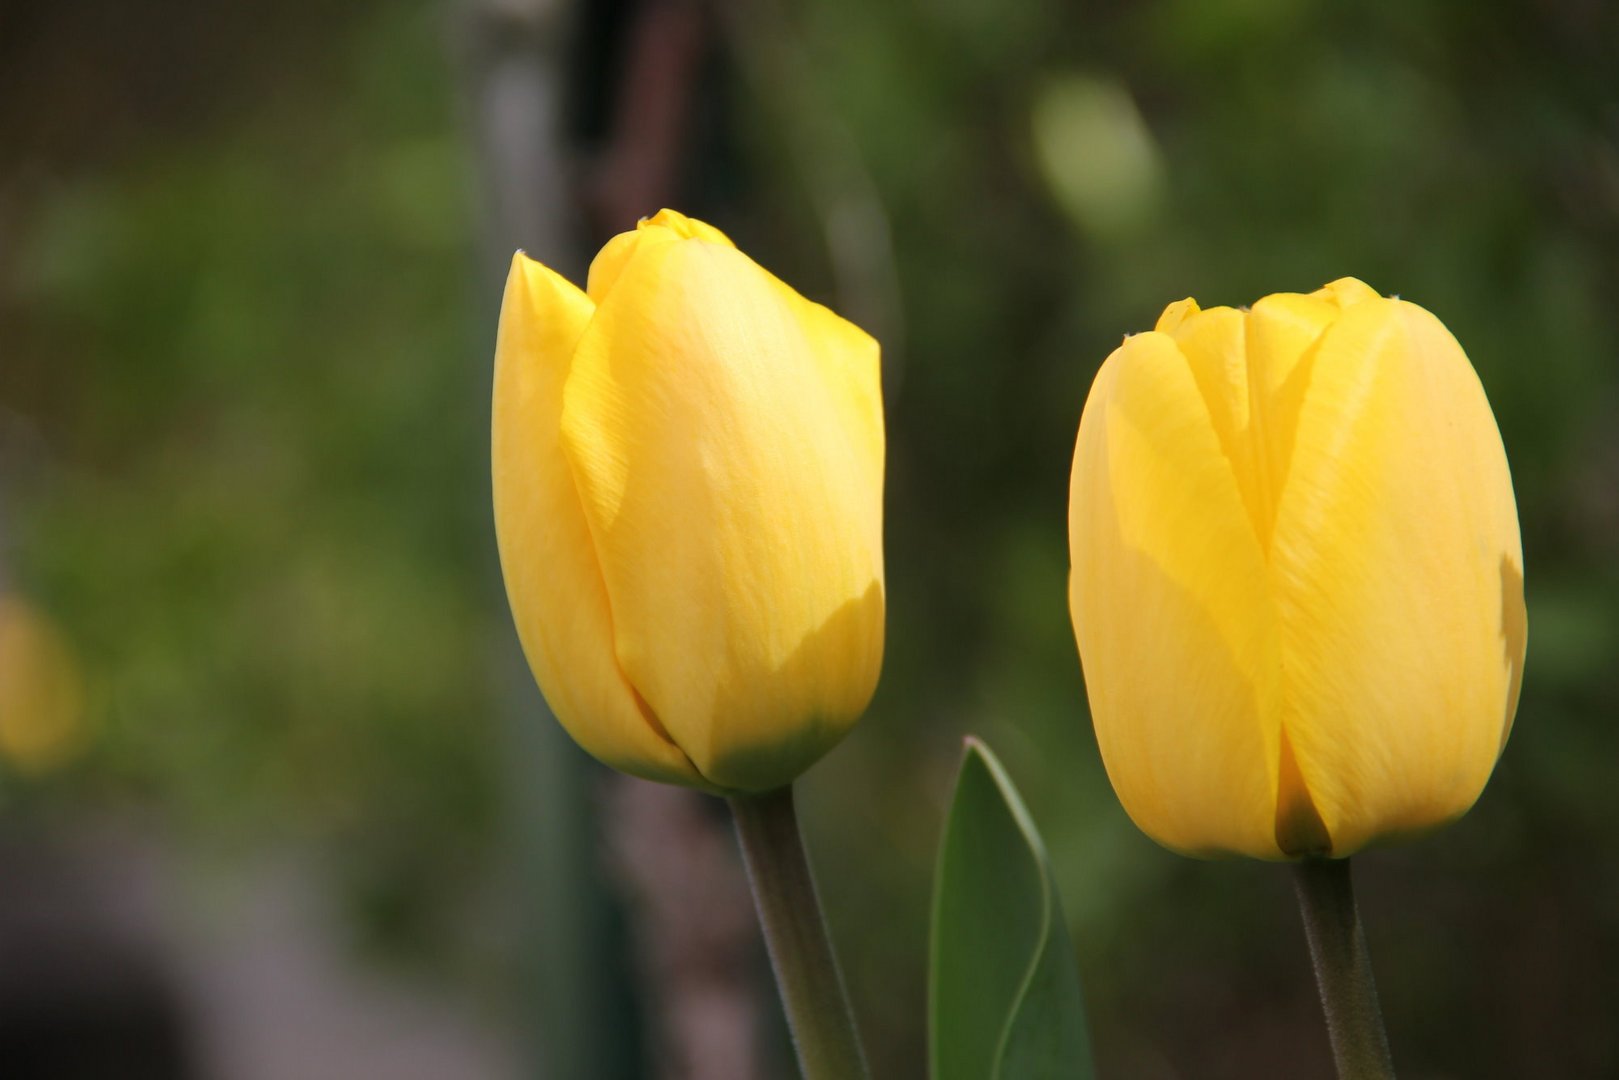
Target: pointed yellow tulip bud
point(1297, 580)
point(688, 477)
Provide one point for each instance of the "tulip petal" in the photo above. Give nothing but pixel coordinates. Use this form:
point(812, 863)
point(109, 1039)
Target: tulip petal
point(1175, 626)
point(556, 590)
point(727, 440)
point(664, 227)
point(1213, 342)
point(1398, 573)
point(1251, 368)
point(1282, 333)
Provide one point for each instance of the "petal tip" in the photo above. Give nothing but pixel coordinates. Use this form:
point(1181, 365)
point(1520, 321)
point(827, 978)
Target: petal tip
point(1175, 314)
point(687, 228)
point(1346, 292)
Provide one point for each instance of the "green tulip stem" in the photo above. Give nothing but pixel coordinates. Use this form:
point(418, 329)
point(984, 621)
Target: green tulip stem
point(812, 991)
point(1343, 969)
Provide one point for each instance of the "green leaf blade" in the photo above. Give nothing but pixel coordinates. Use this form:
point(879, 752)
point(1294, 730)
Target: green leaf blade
point(1004, 993)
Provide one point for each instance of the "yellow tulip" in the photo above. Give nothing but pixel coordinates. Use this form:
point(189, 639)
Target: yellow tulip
point(1297, 582)
point(688, 474)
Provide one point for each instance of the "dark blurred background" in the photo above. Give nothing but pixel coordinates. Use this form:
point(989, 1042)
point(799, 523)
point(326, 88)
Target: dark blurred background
point(278, 799)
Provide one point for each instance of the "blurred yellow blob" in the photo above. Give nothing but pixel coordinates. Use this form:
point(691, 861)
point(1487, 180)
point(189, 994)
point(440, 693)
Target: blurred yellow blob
point(1097, 154)
point(1297, 579)
point(41, 693)
point(688, 481)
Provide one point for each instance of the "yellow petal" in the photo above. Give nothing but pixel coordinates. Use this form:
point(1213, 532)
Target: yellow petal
point(1398, 574)
point(727, 439)
point(1251, 369)
point(1175, 627)
point(556, 591)
point(664, 227)
point(1175, 314)
point(1214, 343)
point(686, 228)
point(1346, 293)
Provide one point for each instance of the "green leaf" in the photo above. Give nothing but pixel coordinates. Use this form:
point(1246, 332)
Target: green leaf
point(1004, 998)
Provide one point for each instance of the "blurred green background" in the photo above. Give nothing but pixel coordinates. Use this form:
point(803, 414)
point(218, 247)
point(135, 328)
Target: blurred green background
point(250, 259)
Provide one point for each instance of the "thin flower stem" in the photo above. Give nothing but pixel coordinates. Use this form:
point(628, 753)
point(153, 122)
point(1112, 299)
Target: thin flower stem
point(1343, 969)
point(812, 991)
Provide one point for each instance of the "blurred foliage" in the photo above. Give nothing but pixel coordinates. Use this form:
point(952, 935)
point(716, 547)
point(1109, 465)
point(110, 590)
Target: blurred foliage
point(242, 391)
point(243, 439)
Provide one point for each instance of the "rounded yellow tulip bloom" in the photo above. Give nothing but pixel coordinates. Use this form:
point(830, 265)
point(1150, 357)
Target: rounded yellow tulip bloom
point(1297, 580)
point(688, 482)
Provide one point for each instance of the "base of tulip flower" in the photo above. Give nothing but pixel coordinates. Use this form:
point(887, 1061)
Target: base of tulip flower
point(812, 990)
point(1343, 969)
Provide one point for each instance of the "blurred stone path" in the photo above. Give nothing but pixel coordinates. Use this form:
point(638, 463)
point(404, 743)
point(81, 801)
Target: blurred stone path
point(115, 963)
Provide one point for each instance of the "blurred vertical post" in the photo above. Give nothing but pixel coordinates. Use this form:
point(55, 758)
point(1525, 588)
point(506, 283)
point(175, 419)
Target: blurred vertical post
point(514, 63)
